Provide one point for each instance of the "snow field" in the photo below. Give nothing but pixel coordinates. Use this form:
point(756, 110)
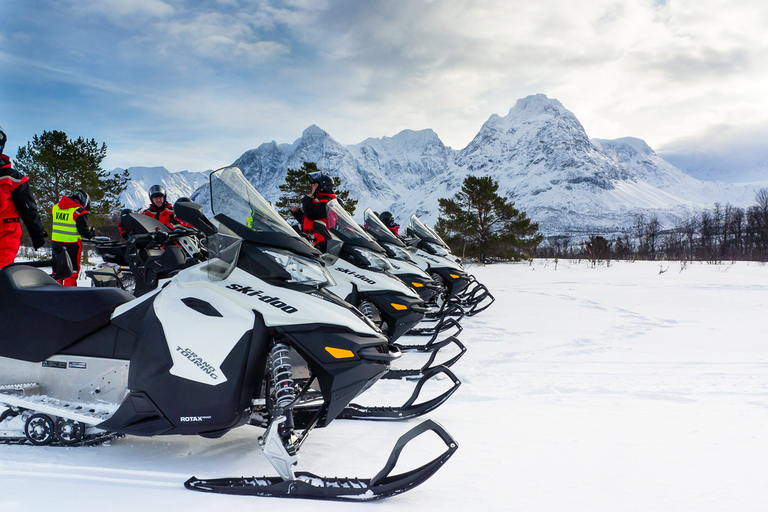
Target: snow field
point(629, 386)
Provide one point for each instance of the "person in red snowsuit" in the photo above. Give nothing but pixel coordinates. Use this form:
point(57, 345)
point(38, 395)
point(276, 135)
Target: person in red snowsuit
point(70, 226)
point(16, 206)
point(389, 220)
point(159, 207)
point(313, 206)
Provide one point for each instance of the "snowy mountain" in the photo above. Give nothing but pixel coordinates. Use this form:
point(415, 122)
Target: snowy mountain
point(539, 153)
point(176, 184)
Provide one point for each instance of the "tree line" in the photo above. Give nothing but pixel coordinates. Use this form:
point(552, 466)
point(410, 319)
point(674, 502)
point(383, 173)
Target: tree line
point(723, 232)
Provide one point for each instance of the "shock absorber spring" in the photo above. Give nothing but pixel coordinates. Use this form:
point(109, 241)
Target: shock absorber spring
point(280, 364)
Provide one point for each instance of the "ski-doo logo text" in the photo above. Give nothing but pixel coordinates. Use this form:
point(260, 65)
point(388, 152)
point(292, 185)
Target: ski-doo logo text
point(356, 275)
point(184, 419)
point(272, 301)
point(197, 360)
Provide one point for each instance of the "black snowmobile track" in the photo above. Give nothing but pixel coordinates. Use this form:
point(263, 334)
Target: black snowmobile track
point(91, 440)
point(310, 486)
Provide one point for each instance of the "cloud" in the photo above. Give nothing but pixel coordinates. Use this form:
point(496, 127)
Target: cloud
point(120, 11)
point(654, 69)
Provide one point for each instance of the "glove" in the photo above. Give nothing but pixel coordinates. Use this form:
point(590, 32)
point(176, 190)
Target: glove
point(91, 232)
point(38, 242)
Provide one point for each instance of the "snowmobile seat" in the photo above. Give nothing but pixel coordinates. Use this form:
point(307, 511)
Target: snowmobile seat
point(41, 317)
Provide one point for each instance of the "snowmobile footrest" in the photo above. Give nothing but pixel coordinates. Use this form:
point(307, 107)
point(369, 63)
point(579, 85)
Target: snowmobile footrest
point(310, 486)
point(408, 409)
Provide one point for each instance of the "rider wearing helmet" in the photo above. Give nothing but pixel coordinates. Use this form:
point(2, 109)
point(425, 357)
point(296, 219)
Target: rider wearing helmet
point(313, 206)
point(389, 220)
point(70, 226)
point(16, 205)
point(159, 207)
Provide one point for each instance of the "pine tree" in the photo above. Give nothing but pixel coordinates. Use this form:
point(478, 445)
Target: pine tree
point(478, 222)
point(57, 165)
point(296, 186)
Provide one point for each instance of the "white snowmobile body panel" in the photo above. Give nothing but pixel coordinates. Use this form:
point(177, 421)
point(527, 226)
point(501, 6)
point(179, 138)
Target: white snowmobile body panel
point(425, 261)
point(400, 267)
point(199, 344)
point(365, 280)
point(278, 306)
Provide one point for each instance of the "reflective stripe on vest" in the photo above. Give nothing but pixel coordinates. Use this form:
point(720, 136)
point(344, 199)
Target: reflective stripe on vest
point(64, 226)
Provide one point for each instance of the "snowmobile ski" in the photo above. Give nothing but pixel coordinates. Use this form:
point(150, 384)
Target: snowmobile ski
point(408, 410)
point(433, 350)
point(473, 297)
point(310, 486)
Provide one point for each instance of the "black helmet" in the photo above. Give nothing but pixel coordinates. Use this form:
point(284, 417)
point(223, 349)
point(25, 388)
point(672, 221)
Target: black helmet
point(184, 199)
point(125, 211)
point(156, 191)
point(3, 139)
point(324, 182)
point(388, 219)
point(82, 197)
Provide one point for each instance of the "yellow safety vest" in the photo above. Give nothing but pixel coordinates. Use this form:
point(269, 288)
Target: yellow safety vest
point(64, 226)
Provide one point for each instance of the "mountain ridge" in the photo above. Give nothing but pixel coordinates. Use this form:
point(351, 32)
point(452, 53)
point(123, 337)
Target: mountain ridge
point(538, 152)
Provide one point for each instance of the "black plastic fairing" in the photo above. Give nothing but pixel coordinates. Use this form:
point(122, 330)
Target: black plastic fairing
point(398, 321)
point(272, 239)
point(341, 379)
point(359, 242)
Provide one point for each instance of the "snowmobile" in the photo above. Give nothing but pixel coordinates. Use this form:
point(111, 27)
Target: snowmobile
point(137, 265)
point(249, 336)
point(433, 255)
point(407, 269)
point(150, 260)
point(362, 271)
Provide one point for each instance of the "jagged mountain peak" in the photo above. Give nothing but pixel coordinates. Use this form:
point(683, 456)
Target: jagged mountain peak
point(536, 105)
point(314, 132)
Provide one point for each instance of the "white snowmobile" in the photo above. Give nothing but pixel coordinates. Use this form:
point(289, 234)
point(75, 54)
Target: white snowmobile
point(433, 255)
point(360, 268)
point(249, 336)
point(408, 270)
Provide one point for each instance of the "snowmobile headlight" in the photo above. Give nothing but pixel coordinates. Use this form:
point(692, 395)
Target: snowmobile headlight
point(400, 253)
point(438, 250)
point(374, 259)
point(302, 270)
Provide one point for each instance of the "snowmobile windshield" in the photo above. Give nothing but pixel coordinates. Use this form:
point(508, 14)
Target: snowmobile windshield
point(233, 196)
point(424, 232)
point(342, 224)
point(376, 227)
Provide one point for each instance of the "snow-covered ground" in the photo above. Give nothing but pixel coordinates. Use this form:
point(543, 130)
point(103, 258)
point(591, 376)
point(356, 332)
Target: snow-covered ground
point(633, 386)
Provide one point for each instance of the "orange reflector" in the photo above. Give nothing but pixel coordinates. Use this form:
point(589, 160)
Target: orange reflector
point(399, 307)
point(417, 285)
point(340, 353)
point(454, 276)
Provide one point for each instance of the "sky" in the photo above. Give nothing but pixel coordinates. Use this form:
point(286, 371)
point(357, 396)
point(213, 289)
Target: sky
point(192, 85)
